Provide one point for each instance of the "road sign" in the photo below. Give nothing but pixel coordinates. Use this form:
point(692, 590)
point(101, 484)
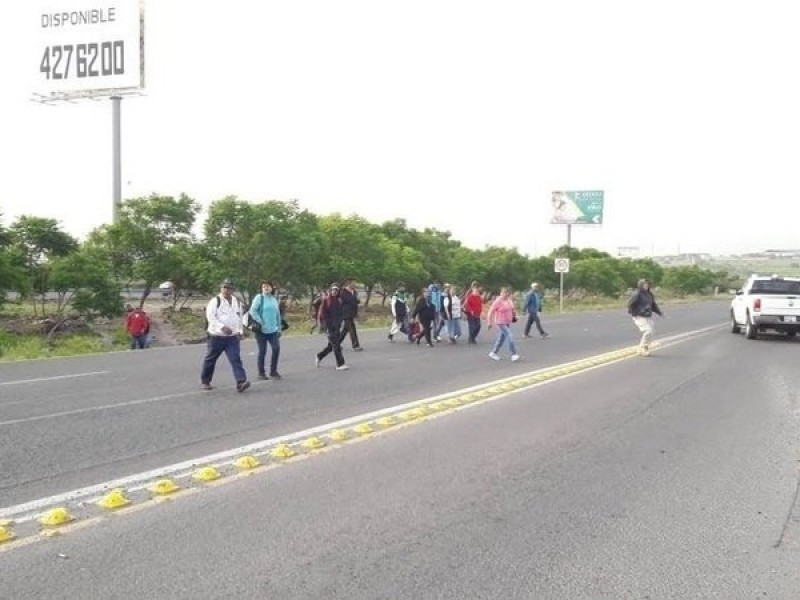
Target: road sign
point(561, 265)
point(577, 208)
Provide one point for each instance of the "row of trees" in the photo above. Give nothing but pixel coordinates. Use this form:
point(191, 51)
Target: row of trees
point(154, 240)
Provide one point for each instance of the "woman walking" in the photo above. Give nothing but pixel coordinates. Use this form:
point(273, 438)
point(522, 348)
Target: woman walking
point(501, 313)
point(265, 311)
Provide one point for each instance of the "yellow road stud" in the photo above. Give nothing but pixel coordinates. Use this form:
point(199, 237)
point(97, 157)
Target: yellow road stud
point(420, 411)
point(246, 462)
point(163, 487)
point(114, 499)
point(362, 428)
point(407, 415)
point(282, 451)
point(5, 534)
point(313, 443)
point(206, 474)
point(386, 421)
point(453, 402)
point(339, 435)
point(55, 517)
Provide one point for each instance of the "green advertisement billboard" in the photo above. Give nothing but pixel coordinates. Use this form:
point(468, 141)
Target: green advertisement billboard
point(577, 208)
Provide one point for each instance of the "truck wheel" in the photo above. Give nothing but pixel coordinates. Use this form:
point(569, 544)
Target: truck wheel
point(734, 325)
point(750, 330)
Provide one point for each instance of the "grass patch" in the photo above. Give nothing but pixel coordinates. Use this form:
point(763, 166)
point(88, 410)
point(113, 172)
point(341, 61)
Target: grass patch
point(26, 347)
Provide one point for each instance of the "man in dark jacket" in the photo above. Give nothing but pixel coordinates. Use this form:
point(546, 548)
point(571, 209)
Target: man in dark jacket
point(641, 307)
point(425, 313)
point(331, 314)
point(350, 304)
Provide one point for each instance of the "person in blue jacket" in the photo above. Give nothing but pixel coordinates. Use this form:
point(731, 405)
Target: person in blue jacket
point(265, 311)
point(532, 306)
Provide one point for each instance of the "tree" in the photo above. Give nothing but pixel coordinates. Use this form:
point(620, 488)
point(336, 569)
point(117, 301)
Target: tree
point(145, 242)
point(36, 241)
point(12, 275)
point(689, 280)
point(597, 275)
point(248, 242)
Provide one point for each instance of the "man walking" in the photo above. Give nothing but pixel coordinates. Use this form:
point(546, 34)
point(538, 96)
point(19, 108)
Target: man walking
point(224, 316)
point(532, 306)
point(332, 314)
point(641, 307)
point(350, 303)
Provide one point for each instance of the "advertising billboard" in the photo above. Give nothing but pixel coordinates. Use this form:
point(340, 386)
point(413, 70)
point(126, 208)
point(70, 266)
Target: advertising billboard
point(82, 47)
point(577, 208)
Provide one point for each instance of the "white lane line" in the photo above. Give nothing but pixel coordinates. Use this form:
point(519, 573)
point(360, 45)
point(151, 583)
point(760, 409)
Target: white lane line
point(80, 411)
point(27, 511)
point(54, 378)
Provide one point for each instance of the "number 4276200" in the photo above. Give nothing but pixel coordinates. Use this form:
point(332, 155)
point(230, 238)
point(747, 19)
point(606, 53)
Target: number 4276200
point(83, 60)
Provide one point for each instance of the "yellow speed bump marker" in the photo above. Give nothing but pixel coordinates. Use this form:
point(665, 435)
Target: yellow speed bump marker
point(282, 451)
point(114, 499)
point(339, 435)
point(362, 428)
point(386, 421)
point(55, 517)
point(206, 474)
point(313, 443)
point(5, 534)
point(407, 415)
point(420, 411)
point(163, 487)
point(246, 463)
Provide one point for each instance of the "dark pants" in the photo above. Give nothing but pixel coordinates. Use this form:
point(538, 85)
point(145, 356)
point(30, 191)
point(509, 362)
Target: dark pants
point(349, 326)
point(426, 331)
point(275, 345)
point(474, 324)
point(334, 345)
point(533, 318)
point(139, 341)
point(217, 344)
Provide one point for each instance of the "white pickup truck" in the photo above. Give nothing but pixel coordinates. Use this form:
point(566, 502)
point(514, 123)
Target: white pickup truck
point(767, 303)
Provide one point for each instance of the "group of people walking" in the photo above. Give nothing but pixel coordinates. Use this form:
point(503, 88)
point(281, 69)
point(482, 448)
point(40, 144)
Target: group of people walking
point(436, 310)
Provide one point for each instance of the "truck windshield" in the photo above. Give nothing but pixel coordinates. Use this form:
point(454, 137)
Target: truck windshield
point(776, 286)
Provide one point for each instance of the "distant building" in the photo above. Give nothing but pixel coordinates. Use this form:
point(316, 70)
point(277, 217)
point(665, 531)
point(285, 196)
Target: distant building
point(628, 252)
point(782, 253)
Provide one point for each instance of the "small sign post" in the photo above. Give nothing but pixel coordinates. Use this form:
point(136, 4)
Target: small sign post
point(561, 266)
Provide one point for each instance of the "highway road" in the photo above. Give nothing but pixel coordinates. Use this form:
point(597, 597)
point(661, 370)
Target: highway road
point(672, 476)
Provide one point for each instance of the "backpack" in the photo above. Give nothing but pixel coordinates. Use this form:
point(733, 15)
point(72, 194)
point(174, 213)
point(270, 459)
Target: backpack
point(249, 322)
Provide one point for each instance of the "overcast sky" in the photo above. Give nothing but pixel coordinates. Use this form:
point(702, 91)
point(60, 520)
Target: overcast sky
point(454, 114)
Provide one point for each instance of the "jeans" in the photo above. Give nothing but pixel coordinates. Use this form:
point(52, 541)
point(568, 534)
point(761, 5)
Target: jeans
point(454, 328)
point(504, 334)
point(275, 344)
point(216, 345)
point(139, 341)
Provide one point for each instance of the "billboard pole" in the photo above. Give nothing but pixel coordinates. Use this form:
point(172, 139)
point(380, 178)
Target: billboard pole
point(116, 157)
point(569, 236)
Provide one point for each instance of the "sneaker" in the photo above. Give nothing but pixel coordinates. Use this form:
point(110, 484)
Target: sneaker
point(493, 356)
point(358, 349)
point(317, 361)
point(429, 345)
point(545, 335)
point(206, 386)
point(342, 367)
point(262, 376)
point(525, 335)
point(438, 338)
point(275, 375)
point(242, 386)
point(514, 357)
point(391, 337)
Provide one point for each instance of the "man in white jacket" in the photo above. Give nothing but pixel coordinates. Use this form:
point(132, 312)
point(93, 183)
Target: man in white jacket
point(224, 316)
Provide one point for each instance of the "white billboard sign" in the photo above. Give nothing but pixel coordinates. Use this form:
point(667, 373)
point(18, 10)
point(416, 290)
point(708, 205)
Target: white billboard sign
point(83, 47)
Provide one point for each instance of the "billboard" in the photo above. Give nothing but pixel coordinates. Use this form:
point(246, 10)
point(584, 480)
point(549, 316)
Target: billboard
point(84, 48)
point(577, 208)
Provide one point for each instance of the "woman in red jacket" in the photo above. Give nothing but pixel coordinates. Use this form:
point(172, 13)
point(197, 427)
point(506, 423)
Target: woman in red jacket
point(473, 308)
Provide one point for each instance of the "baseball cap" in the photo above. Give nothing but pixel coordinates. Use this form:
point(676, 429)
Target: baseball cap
point(228, 283)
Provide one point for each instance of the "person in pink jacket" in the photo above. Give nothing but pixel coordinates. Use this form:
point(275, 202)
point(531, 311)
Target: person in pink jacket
point(502, 314)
